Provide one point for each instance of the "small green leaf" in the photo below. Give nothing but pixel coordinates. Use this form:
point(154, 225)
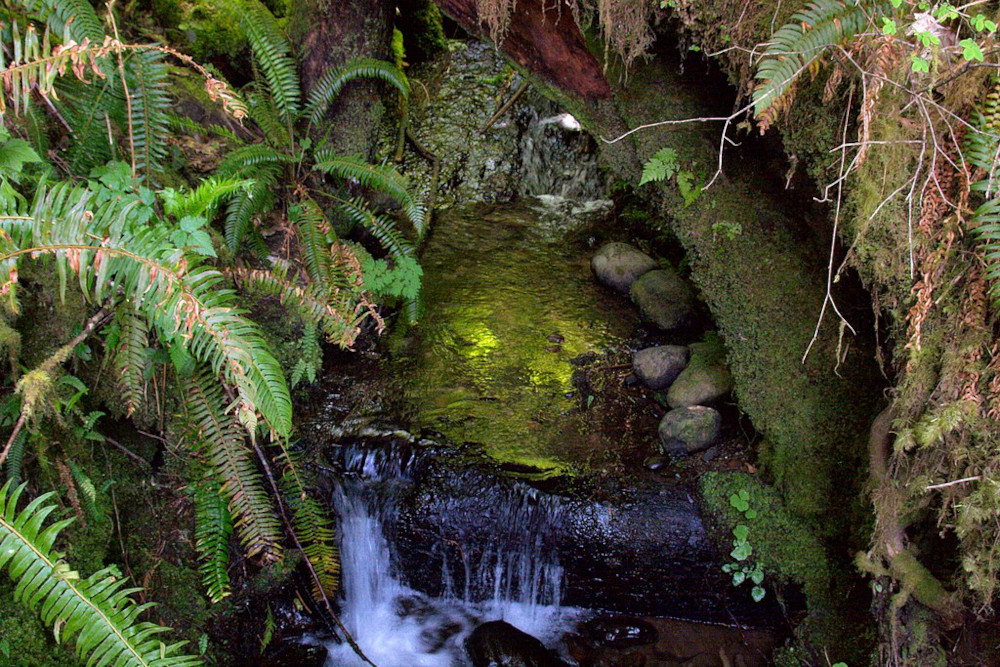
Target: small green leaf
point(889, 26)
point(739, 577)
point(741, 532)
point(971, 50)
point(742, 551)
point(660, 167)
point(744, 494)
point(919, 64)
point(190, 223)
point(757, 593)
point(750, 514)
point(897, 3)
point(757, 575)
point(203, 644)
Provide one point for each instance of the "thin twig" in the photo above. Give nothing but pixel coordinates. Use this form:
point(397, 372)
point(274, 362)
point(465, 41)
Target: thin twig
point(506, 105)
point(128, 452)
point(298, 545)
point(828, 298)
point(128, 97)
point(974, 478)
point(13, 437)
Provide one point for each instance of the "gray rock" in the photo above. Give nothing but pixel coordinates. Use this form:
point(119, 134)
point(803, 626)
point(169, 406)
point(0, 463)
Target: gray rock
point(664, 299)
point(705, 379)
point(659, 366)
point(687, 430)
point(618, 265)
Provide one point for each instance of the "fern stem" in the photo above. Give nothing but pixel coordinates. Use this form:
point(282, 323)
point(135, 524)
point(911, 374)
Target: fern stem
point(13, 437)
point(298, 545)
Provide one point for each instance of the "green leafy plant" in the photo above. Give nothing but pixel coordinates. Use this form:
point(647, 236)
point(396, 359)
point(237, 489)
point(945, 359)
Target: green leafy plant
point(742, 568)
point(96, 613)
point(663, 166)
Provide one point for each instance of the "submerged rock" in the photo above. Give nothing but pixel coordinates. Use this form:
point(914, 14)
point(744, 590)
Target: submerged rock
point(500, 644)
point(659, 366)
point(664, 299)
point(619, 631)
point(706, 378)
point(618, 265)
point(690, 429)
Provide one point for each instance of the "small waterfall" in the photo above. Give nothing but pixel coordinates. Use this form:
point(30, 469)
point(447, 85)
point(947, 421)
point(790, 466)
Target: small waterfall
point(559, 160)
point(513, 576)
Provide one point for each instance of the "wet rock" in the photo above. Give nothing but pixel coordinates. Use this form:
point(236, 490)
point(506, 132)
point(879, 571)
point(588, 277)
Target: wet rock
point(706, 378)
point(664, 299)
point(500, 644)
point(689, 429)
point(618, 265)
point(555, 338)
point(619, 631)
point(659, 366)
point(656, 462)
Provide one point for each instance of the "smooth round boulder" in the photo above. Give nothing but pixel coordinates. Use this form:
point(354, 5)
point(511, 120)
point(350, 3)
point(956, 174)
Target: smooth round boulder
point(688, 430)
point(500, 644)
point(705, 379)
point(658, 366)
point(618, 265)
point(664, 299)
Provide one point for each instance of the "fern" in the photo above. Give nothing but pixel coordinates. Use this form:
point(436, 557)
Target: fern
point(15, 457)
point(97, 612)
point(181, 298)
point(799, 43)
point(314, 241)
point(213, 527)
point(244, 160)
point(312, 526)
point(146, 74)
point(244, 206)
point(213, 433)
point(334, 79)
point(982, 150)
point(74, 18)
point(381, 178)
point(204, 200)
point(131, 359)
point(660, 167)
point(273, 53)
point(338, 319)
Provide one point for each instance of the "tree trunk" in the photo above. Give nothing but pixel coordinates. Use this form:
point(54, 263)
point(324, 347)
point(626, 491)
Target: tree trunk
point(547, 43)
point(328, 33)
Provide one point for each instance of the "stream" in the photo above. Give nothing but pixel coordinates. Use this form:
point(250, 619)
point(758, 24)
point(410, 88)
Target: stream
point(491, 467)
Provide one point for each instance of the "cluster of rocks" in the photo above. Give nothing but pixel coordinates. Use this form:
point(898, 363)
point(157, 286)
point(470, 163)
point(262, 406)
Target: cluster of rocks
point(692, 376)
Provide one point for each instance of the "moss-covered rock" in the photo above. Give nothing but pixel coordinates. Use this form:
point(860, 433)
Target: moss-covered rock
point(704, 380)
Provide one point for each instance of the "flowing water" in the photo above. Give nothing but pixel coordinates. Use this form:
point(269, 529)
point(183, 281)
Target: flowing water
point(516, 580)
point(435, 541)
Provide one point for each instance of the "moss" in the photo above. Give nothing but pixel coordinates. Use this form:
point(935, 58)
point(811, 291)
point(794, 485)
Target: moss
point(791, 554)
point(423, 32)
point(787, 547)
point(29, 643)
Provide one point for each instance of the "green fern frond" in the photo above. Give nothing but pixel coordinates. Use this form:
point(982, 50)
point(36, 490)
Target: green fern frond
point(333, 311)
point(15, 457)
point(333, 81)
point(97, 613)
point(312, 525)
point(180, 297)
point(204, 200)
point(146, 74)
point(381, 178)
point(75, 18)
point(214, 433)
point(131, 359)
point(313, 233)
point(806, 37)
point(184, 124)
point(212, 529)
point(273, 53)
point(381, 227)
point(265, 113)
point(245, 161)
point(244, 207)
point(87, 492)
